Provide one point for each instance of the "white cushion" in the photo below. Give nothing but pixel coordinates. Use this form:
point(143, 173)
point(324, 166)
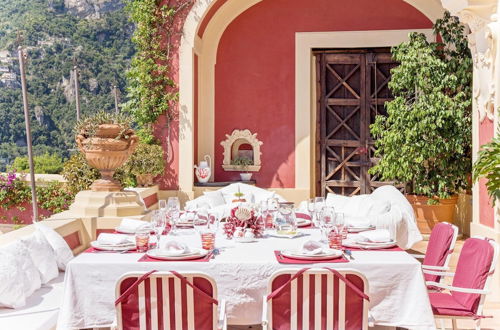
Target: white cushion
point(214, 198)
point(12, 281)
point(43, 255)
point(31, 280)
point(41, 309)
point(200, 202)
point(229, 197)
point(59, 245)
point(263, 195)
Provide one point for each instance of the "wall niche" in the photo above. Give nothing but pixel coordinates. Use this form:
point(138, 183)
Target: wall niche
point(241, 144)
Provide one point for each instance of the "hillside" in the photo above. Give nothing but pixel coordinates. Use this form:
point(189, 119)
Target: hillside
point(95, 33)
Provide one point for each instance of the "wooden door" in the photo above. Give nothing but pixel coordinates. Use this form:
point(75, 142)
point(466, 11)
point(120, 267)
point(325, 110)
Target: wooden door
point(352, 90)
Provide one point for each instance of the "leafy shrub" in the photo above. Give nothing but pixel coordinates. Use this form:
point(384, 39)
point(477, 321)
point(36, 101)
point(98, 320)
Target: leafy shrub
point(146, 159)
point(13, 191)
point(44, 164)
point(54, 197)
point(78, 173)
point(487, 166)
point(425, 141)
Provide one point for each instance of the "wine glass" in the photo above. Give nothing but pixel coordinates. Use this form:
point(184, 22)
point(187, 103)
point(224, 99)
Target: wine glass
point(173, 211)
point(340, 225)
point(311, 208)
point(327, 221)
point(158, 222)
point(162, 205)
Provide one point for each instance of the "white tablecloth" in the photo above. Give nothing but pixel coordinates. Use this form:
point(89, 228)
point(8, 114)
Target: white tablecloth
point(398, 295)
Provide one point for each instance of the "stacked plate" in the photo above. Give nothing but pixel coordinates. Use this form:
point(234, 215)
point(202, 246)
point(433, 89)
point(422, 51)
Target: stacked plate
point(303, 222)
point(359, 229)
point(175, 255)
point(352, 243)
point(325, 254)
point(113, 247)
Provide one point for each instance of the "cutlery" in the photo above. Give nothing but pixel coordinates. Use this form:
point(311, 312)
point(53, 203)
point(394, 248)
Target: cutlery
point(349, 253)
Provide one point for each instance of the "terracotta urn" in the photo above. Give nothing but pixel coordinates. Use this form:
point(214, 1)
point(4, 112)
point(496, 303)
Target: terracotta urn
point(145, 180)
point(106, 153)
point(429, 215)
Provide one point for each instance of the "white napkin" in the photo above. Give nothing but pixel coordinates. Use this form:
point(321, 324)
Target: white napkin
point(353, 221)
point(374, 236)
point(312, 248)
point(174, 248)
point(133, 225)
point(114, 239)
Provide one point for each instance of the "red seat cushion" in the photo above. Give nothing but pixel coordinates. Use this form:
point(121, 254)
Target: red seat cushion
point(438, 248)
point(473, 268)
point(445, 304)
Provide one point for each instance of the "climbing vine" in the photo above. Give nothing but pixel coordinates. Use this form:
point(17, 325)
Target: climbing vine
point(151, 91)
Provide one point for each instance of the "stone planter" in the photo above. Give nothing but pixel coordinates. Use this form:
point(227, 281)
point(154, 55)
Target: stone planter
point(145, 180)
point(428, 215)
point(106, 153)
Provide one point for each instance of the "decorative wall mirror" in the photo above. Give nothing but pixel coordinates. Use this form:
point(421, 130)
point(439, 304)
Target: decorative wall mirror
point(241, 147)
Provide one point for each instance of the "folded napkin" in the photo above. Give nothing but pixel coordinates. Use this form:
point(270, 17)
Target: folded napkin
point(133, 224)
point(114, 239)
point(374, 236)
point(312, 248)
point(174, 248)
point(353, 221)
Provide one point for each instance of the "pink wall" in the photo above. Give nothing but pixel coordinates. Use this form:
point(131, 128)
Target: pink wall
point(486, 211)
point(254, 82)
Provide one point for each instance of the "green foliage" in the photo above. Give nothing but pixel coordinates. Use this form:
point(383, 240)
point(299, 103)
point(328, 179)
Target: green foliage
point(53, 37)
point(54, 197)
point(243, 162)
point(78, 173)
point(146, 159)
point(425, 141)
point(487, 166)
point(44, 164)
point(90, 124)
point(151, 91)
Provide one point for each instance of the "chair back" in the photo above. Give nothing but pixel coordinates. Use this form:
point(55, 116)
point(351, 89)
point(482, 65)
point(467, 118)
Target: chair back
point(300, 215)
point(441, 244)
point(317, 298)
point(475, 268)
point(166, 300)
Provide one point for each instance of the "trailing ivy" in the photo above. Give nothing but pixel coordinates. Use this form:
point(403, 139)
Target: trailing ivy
point(151, 90)
point(425, 141)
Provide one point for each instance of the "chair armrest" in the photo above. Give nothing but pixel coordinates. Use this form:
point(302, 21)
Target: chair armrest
point(222, 322)
point(264, 313)
point(417, 256)
point(430, 272)
point(429, 267)
point(456, 288)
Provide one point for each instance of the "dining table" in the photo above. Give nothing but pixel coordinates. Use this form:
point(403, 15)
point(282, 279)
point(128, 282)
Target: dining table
point(397, 290)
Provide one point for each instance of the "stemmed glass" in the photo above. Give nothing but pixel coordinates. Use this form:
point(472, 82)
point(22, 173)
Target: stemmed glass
point(162, 205)
point(173, 209)
point(319, 206)
point(340, 225)
point(158, 222)
point(311, 208)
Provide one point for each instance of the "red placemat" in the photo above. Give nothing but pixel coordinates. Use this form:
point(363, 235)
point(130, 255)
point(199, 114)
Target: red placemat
point(146, 258)
point(395, 248)
point(284, 260)
point(92, 250)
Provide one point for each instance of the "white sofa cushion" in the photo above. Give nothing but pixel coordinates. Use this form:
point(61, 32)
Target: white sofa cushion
point(12, 282)
point(58, 244)
point(229, 197)
point(197, 203)
point(41, 309)
point(31, 276)
point(214, 198)
point(43, 255)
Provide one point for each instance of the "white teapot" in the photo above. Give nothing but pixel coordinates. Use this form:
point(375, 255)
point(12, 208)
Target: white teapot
point(203, 171)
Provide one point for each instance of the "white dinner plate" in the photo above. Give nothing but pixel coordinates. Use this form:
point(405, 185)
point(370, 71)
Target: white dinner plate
point(120, 247)
point(193, 254)
point(327, 254)
point(359, 229)
point(274, 233)
point(359, 245)
point(128, 230)
point(303, 223)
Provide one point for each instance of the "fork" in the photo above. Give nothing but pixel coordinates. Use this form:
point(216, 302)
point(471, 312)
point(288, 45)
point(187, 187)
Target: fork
point(349, 253)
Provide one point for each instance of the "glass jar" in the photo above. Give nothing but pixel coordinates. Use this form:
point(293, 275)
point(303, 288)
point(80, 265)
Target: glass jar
point(285, 220)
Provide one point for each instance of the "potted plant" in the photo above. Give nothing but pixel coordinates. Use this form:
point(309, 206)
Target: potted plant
point(145, 163)
point(487, 166)
point(106, 140)
point(425, 140)
point(243, 163)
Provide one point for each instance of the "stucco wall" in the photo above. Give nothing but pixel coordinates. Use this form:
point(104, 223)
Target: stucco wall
point(254, 74)
point(486, 211)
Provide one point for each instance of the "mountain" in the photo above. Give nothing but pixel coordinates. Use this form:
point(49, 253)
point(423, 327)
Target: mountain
point(96, 34)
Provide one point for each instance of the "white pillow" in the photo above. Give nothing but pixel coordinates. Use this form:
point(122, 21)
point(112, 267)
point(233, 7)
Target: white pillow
point(263, 195)
point(43, 256)
point(214, 198)
point(31, 281)
point(196, 203)
point(230, 197)
point(59, 245)
point(12, 280)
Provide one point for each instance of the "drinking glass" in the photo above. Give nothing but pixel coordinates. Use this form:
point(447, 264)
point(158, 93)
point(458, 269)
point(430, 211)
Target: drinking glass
point(319, 205)
point(341, 225)
point(173, 203)
point(286, 220)
point(206, 226)
point(327, 220)
point(311, 208)
point(158, 222)
point(162, 204)
point(142, 240)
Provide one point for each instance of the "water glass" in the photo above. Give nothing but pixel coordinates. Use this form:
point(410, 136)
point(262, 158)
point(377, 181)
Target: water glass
point(158, 221)
point(207, 239)
point(142, 240)
point(162, 204)
point(335, 239)
point(327, 220)
point(340, 224)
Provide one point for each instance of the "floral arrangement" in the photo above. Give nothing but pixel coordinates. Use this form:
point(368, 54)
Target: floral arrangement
point(244, 217)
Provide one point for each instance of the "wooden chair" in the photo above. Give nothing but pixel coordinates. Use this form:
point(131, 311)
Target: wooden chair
point(471, 281)
point(316, 298)
point(168, 300)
